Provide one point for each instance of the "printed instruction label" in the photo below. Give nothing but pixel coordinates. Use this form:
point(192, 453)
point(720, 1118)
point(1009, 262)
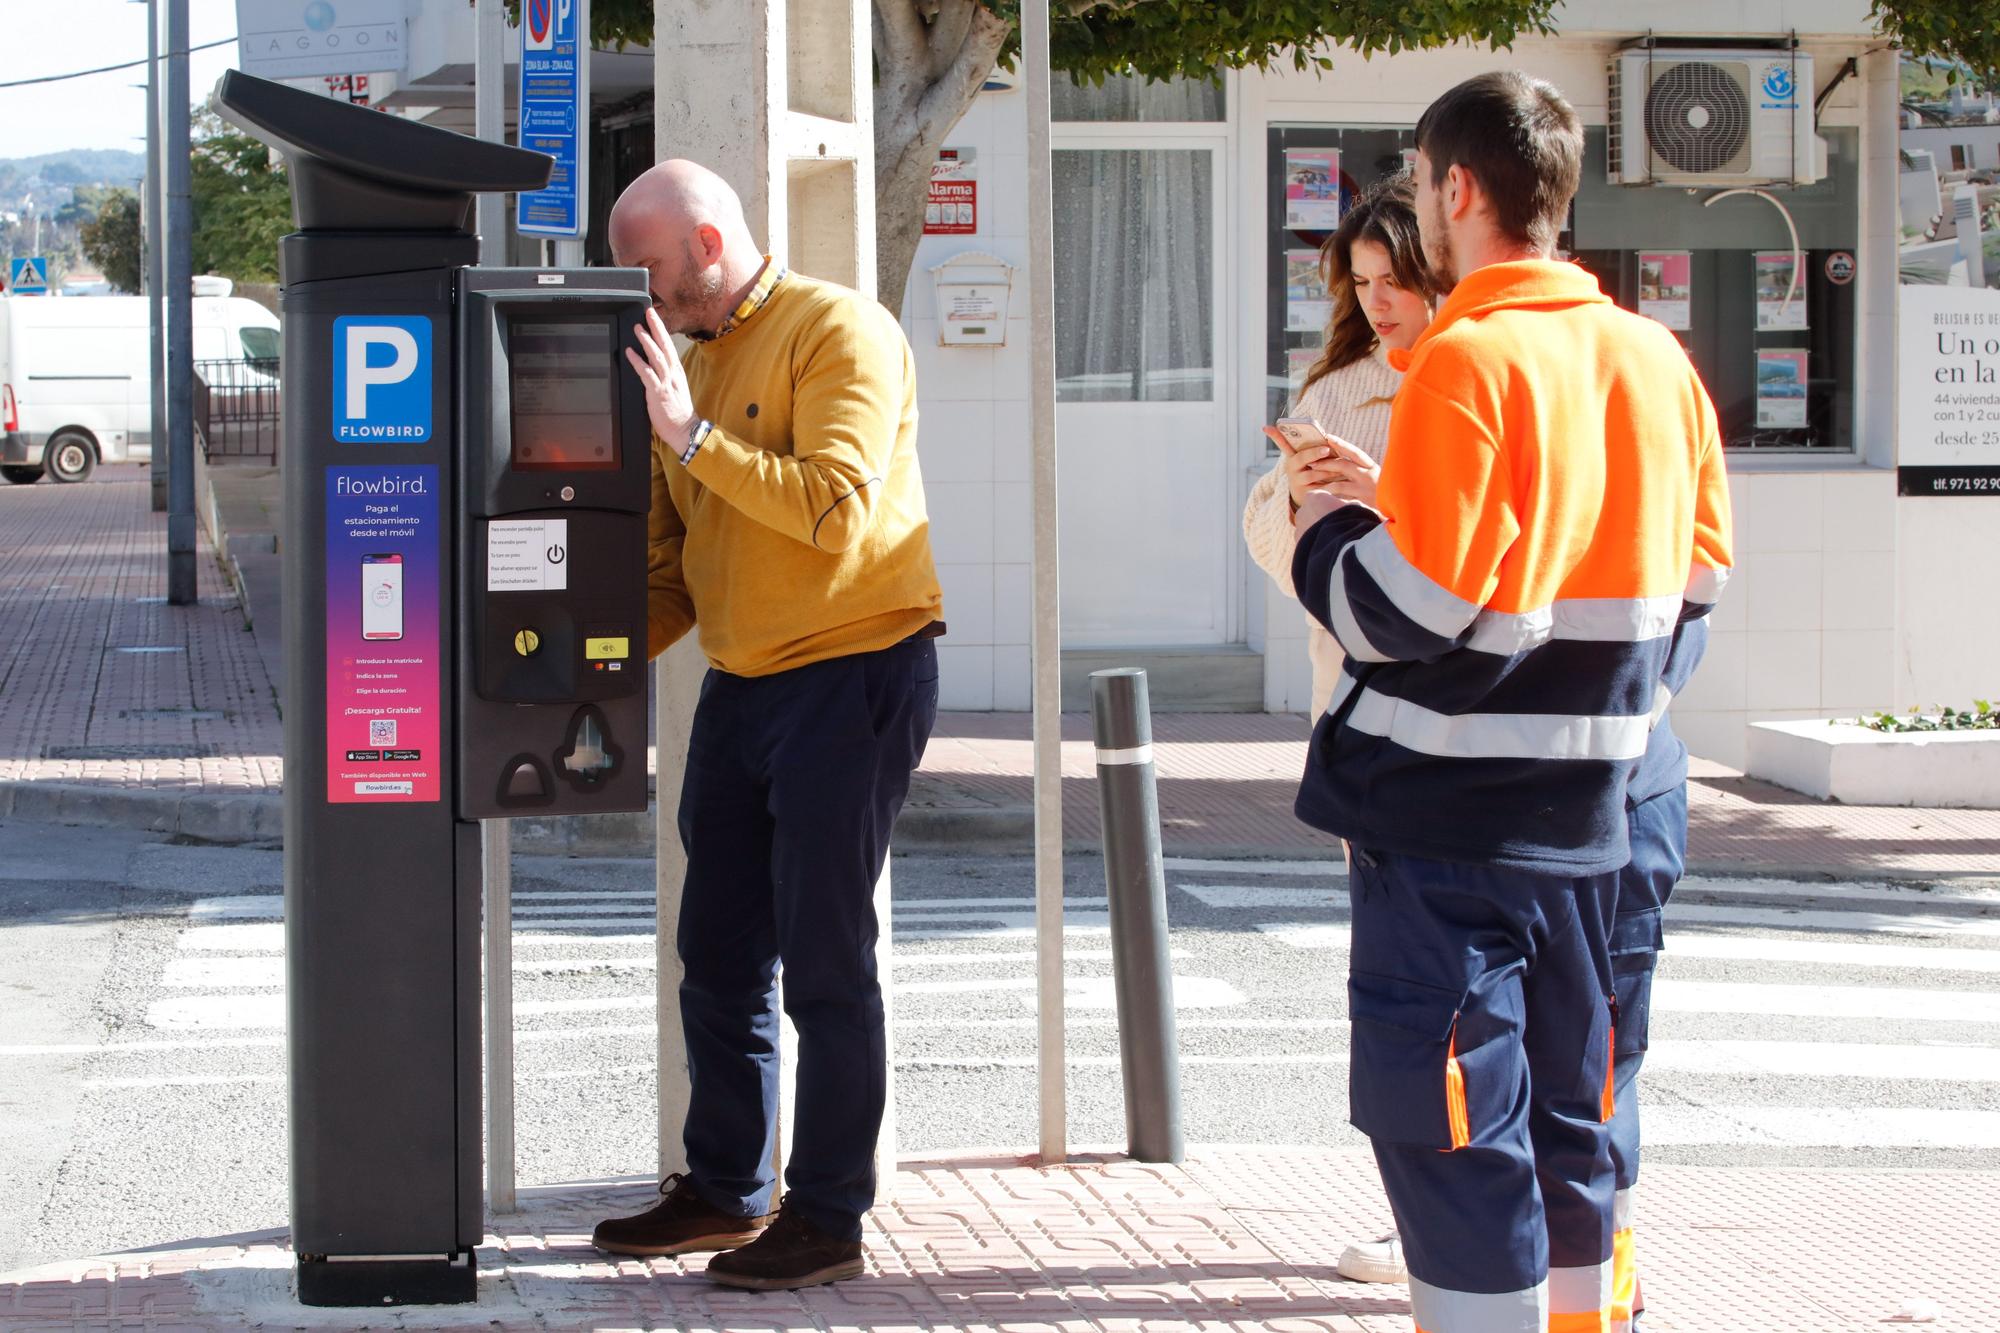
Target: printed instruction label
point(527, 555)
point(384, 659)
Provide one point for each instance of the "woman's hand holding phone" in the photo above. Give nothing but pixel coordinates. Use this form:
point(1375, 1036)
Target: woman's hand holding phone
point(1315, 461)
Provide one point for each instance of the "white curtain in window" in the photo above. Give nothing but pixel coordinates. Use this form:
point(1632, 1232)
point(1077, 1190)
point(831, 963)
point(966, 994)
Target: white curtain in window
point(1134, 258)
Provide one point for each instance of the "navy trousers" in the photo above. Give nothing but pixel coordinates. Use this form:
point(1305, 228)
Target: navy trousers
point(1659, 856)
point(1481, 1001)
point(793, 785)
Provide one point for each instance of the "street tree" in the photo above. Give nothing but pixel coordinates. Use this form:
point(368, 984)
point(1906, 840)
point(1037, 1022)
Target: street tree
point(111, 241)
point(242, 204)
point(933, 56)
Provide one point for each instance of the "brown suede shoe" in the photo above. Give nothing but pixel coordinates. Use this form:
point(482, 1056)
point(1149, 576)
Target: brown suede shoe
point(682, 1223)
point(791, 1253)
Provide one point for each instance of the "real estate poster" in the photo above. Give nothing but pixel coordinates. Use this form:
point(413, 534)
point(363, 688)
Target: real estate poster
point(1781, 390)
point(1307, 306)
point(1665, 288)
point(1774, 282)
point(1299, 362)
point(1312, 189)
point(1948, 318)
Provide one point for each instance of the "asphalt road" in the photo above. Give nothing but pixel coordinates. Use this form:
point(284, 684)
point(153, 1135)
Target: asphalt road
point(142, 1094)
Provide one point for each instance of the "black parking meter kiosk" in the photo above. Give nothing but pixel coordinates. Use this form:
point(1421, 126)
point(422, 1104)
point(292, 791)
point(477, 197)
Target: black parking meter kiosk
point(466, 487)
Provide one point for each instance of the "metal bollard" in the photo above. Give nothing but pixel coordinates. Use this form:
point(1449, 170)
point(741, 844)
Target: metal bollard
point(1136, 883)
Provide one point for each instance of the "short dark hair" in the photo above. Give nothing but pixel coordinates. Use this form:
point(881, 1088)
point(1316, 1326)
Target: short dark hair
point(1520, 139)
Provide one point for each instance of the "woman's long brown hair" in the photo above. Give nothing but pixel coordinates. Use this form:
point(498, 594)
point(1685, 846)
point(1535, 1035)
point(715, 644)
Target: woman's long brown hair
point(1387, 215)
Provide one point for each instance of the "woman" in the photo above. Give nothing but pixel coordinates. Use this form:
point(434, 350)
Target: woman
point(1381, 289)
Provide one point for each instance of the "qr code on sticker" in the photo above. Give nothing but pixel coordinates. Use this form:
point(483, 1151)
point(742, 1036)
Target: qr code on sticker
point(381, 731)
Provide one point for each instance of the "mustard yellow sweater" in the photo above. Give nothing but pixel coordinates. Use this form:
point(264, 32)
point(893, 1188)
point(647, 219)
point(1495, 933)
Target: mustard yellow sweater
point(798, 532)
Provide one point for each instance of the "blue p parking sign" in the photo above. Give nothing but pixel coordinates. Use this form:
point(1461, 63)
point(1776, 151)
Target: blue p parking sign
point(381, 379)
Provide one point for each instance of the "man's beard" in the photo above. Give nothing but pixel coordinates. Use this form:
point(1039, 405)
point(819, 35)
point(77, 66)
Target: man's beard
point(1437, 249)
point(695, 294)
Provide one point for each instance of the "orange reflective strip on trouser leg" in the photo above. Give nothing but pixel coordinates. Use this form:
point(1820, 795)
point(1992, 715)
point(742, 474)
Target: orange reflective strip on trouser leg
point(1624, 1281)
point(1609, 1106)
point(1454, 1095)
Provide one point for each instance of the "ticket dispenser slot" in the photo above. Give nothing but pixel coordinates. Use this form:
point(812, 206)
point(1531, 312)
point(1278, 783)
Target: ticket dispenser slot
point(555, 454)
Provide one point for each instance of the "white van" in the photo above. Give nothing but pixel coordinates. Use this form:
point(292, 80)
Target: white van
point(76, 375)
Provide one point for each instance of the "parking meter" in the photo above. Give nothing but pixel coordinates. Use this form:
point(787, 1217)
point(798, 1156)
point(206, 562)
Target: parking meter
point(555, 461)
point(465, 497)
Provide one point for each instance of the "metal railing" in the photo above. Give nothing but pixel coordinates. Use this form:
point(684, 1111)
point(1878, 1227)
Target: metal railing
point(236, 409)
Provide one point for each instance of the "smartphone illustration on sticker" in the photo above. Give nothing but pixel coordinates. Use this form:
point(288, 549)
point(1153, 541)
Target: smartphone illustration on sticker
point(382, 596)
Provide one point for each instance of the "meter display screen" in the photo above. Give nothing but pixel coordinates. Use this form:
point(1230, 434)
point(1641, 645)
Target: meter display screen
point(562, 387)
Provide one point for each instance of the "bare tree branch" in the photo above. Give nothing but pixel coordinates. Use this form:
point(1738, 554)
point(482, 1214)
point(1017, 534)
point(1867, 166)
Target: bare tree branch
point(986, 35)
point(947, 36)
point(899, 32)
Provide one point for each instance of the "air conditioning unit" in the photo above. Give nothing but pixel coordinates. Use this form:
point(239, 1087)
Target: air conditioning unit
point(1721, 117)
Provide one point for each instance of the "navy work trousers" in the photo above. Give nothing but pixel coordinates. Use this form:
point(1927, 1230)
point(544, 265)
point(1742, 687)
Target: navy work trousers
point(1659, 830)
point(1481, 1000)
point(793, 785)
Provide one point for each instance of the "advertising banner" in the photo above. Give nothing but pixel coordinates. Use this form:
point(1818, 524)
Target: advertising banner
point(1312, 189)
point(1666, 287)
point(1308, 308)
point(1948, 318)
point(384, 686)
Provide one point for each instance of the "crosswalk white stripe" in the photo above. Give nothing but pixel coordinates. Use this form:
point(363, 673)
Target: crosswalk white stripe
point(1669, 1125)
point(225, 972)
point(1244, 897)
point(1759, 948)
point(579, 894)
point(574, 907)
point(248, 906)
point(237, 937)
point(1787, 1059)
point(1735, 997)
point(589, 923)
point(1197, 866)
point(1015, 902)
point(1851, 922)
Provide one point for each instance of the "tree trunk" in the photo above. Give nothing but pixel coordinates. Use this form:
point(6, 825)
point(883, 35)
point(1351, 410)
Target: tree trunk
point(931, 58)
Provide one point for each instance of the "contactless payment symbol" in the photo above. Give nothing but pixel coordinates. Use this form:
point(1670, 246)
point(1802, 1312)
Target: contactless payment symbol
point(381, 378)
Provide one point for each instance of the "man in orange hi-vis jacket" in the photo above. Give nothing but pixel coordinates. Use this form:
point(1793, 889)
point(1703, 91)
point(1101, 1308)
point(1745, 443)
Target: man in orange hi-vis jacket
point(1512, 603)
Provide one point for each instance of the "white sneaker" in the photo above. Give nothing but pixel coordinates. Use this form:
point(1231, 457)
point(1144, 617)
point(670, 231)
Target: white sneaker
point(1374, 1261)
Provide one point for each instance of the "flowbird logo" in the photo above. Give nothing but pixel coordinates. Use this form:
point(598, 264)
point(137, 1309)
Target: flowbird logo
point(381, 378)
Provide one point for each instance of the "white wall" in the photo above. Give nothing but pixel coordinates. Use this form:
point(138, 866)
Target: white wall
point(973, 437)
point(1948, 631)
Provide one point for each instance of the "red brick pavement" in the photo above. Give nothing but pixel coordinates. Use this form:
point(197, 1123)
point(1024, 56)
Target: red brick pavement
point(83, 578)
point(1235, 1239)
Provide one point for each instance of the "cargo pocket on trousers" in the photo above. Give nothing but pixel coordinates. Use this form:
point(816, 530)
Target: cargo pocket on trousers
point(1404, 1082)
point(1635, 953)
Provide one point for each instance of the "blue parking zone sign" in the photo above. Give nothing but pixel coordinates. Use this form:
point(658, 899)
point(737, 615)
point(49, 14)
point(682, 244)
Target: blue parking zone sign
point(381, 379)
point(26, 277)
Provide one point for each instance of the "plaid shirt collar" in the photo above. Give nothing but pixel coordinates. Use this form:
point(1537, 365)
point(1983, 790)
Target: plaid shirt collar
point(768, 279)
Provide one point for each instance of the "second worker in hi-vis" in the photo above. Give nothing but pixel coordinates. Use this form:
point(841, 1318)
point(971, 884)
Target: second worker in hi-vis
point(789, 531)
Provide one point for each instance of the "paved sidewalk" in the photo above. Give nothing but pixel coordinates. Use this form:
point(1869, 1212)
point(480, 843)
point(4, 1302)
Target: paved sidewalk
point(115, 708)
point(1234, 1239)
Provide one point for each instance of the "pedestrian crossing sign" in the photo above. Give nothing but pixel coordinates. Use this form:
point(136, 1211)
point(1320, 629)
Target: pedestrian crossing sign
point(28, 276)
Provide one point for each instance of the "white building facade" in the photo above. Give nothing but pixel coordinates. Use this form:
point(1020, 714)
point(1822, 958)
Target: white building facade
point(1179, 325)
point(1182, 317)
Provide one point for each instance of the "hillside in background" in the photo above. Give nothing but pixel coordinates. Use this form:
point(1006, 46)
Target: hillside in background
point(62, 172)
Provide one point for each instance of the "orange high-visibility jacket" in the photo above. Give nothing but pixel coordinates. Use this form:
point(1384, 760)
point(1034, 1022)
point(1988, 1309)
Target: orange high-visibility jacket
point(1553, 506)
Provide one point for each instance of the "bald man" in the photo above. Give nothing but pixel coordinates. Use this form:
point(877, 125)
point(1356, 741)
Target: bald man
point(788, 527)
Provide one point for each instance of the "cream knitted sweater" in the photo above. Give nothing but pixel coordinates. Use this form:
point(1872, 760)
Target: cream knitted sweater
point(1353, 403)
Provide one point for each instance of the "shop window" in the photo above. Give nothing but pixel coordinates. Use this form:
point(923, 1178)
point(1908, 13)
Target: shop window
point(1131, 99)
point(1781, 373)
point(1134, 280)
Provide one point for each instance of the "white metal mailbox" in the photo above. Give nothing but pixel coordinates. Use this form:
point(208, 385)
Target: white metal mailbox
point(972, 294)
